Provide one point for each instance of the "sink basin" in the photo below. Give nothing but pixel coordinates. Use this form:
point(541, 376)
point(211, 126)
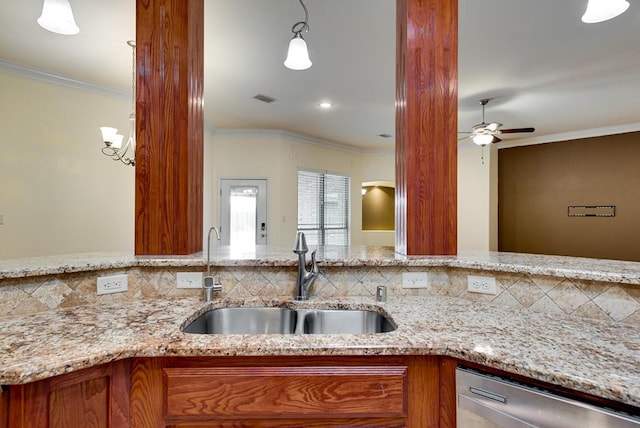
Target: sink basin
point(244, 321)
point(327, 321)
point(259, 320)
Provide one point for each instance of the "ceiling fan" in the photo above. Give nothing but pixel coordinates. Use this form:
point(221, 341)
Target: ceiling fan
point(487, 133)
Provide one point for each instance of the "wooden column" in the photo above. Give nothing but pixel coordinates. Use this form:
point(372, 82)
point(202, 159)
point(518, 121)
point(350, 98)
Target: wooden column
point(426, 127)
point(169, 112)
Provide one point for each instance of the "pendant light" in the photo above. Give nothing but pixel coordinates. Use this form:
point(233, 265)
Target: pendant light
point(298, 55)
point(57, 17)
point(603, 10)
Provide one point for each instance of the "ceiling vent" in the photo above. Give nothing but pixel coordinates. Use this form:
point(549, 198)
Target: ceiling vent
point(264, 98)
point(385, 135)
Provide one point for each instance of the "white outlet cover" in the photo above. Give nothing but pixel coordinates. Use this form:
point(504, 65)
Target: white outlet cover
point(415, 279)
point(481, 284)
point(189, 279)
point(112, 284)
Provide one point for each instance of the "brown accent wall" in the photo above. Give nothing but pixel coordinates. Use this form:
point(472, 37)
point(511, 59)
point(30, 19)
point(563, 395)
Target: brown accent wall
point(378, 208)
point(537, 184)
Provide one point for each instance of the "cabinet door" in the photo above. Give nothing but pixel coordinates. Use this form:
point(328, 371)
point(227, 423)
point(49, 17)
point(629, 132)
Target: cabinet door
point(311, 391)
point(91, 398)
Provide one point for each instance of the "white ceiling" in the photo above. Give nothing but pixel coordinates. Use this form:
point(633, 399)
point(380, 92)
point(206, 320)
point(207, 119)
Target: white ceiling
point(541, 65)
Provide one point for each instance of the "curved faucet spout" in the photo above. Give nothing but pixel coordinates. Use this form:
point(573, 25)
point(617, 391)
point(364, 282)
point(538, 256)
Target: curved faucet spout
point(305, 278)
point(213, 229)
point(209, 285)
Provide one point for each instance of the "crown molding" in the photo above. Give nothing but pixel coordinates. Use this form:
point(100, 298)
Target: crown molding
point(56, 79)
point(573, 135)
point(293, 135)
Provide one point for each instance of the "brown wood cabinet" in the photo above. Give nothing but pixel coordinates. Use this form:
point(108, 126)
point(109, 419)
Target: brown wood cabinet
point(92, 398)
point(309, 391)
point(289, 391)
point(393, 391)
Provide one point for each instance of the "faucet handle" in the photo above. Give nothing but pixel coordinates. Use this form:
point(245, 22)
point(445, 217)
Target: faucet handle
point(300, 246)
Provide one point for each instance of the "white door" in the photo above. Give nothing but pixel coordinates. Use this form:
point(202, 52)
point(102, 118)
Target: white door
point(243, 212)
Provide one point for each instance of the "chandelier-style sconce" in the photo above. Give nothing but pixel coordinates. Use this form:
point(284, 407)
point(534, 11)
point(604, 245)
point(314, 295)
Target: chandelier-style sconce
point(112, 140)
point(298, 55)
point(57, 17)
point(603, 10)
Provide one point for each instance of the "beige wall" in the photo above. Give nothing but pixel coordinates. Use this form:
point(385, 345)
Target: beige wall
point(59, 194)
point(477, 201)
point(277, 156)
point(538, 183)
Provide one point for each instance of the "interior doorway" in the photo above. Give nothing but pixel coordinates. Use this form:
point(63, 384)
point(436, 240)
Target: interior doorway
point(243, 212)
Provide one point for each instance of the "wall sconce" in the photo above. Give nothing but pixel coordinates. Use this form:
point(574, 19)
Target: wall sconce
point(603, 10)
point(298, 55)
point(57, 17)
point(112, 140)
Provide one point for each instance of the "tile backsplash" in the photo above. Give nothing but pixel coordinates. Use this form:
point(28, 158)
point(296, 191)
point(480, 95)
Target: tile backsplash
point(582, 298)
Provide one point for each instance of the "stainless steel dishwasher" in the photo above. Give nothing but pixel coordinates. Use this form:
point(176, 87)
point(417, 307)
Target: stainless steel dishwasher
point(487, 401)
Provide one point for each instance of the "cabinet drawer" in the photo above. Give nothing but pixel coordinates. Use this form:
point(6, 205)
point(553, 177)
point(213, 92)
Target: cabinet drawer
point(372, 391)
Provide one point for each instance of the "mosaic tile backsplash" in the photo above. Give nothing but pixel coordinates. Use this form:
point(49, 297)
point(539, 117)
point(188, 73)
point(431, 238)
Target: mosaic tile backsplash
point(581, 298)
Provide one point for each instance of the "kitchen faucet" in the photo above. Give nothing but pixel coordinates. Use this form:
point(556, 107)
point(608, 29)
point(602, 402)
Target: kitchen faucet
point(305, 278)
point(208, 285)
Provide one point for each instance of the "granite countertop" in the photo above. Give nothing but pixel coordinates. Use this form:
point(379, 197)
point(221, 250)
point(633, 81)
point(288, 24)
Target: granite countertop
point(596, 357)
point(269, 256)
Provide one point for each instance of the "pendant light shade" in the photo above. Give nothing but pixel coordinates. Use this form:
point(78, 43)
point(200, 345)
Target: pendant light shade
point(603, 10)
point(57, 17)
point(298, 55)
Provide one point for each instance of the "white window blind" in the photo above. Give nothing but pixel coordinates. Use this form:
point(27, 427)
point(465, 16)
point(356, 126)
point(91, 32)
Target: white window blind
point(323, 207)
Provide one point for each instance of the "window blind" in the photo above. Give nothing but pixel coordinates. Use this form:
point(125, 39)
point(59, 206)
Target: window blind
point(323, 207)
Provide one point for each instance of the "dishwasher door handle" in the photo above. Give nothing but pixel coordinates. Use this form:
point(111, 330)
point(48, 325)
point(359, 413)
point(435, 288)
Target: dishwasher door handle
point(492, 414)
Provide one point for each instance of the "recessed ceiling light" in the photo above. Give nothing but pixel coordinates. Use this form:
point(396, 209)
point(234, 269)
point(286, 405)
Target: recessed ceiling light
point(325, 105)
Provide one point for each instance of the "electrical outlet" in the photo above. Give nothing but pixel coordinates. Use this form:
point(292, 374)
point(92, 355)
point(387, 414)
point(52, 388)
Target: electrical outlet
point(481, 284)
point(112, 284)
point(415, 280)
point(189, 279)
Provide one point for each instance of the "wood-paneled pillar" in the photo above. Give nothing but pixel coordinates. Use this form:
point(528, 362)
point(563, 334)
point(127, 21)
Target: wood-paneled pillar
point(426, 127)
point(169, 113)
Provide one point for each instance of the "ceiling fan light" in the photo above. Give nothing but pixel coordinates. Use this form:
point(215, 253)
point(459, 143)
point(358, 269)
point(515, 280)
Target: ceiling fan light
point(298, 55)
point(603, 10)
point(57, 17)
point(482, 139)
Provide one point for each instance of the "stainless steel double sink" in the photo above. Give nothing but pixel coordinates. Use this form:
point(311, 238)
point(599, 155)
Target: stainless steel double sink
point(273, 320)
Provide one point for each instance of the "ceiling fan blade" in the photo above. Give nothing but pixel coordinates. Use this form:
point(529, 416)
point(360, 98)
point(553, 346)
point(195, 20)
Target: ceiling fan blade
point(515, 130)
point(464, 138)
point(493, 126)
point(496, 139)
